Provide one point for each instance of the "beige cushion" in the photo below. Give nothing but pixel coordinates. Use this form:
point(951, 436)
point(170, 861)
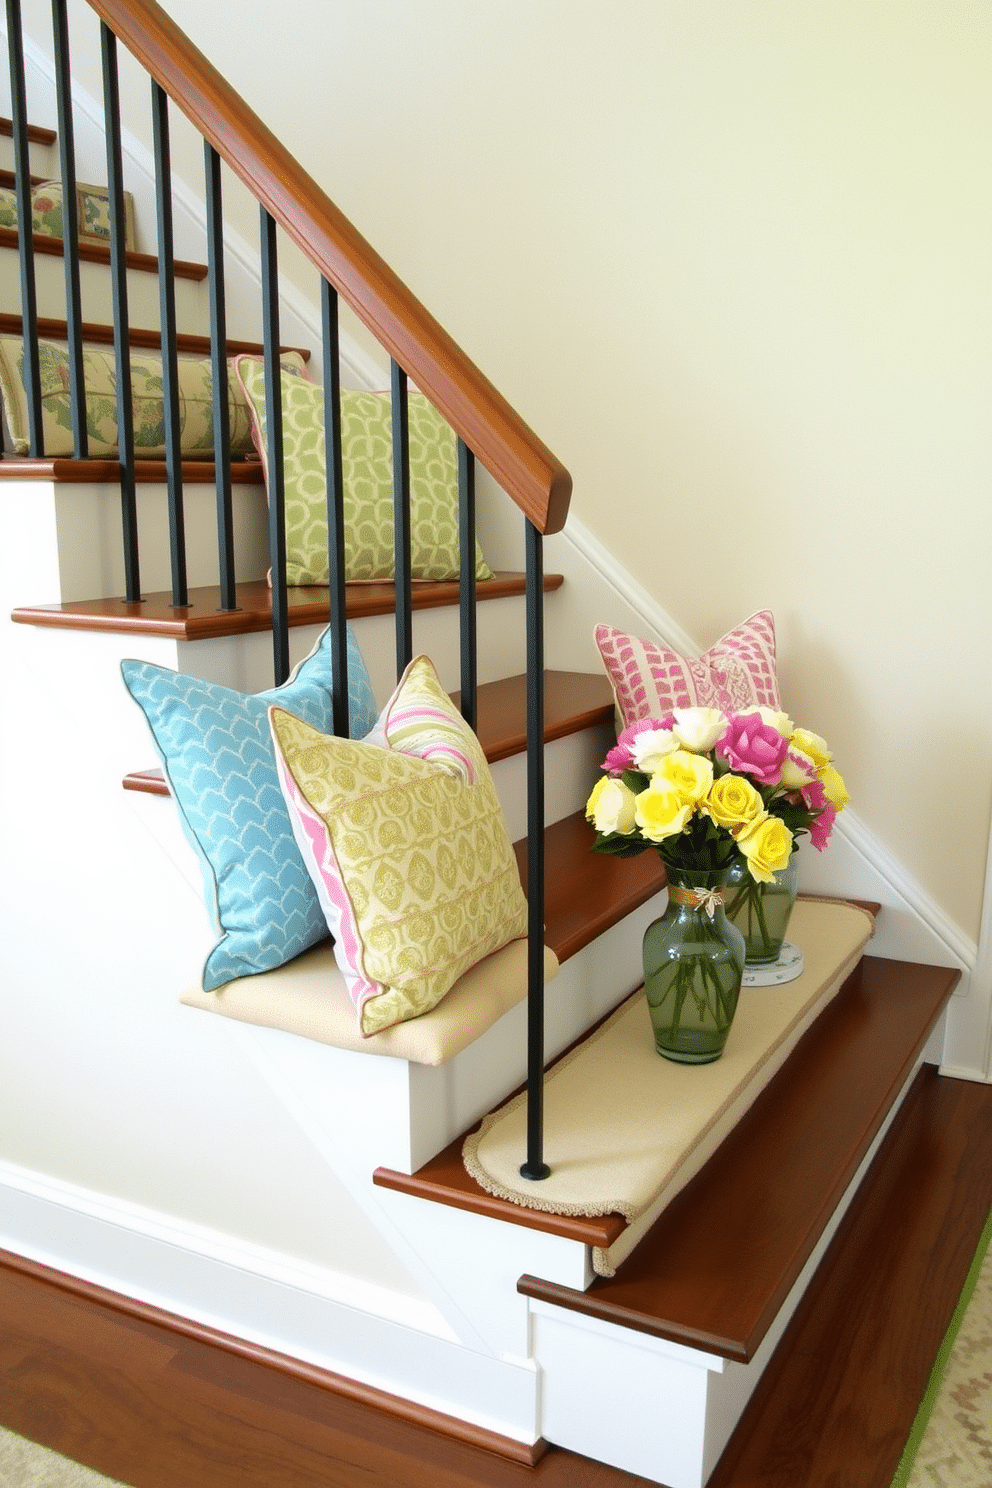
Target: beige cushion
point(627, 1143)
point(308, 997)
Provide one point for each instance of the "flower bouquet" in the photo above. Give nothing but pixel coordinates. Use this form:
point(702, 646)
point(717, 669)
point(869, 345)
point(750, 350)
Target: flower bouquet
point(708, 790)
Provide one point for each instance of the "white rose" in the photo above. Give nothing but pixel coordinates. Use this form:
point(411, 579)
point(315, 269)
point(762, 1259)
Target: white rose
point(649, 747)
point(698, 729)
point(776, 720)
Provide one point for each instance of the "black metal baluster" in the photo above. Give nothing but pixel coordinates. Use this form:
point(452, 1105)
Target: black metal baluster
point(22, 181)
point(218, 354)
point(70, 230)
point(273, 424)
point(466, 591)
point(401, 518)
point(535, 1167)
point(118, 276)
point(170, 360)
point(335, 509)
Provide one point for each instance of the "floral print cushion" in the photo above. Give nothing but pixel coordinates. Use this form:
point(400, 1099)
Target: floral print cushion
point(92, 210)
point(100, 378)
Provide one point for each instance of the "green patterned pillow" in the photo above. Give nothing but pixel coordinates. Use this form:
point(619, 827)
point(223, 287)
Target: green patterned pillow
point(92, 211)
point(407, 847)
point(100, 378)
point(367, 459)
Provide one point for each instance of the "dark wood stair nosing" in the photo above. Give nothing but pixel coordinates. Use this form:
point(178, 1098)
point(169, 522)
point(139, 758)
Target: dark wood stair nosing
point(96, 470)
point(831, 1054)
point(90, 252)
point(8, 179)
point(203, 618)
point(188, 343)
point(714, 1270)
point(38, 134)
point(573, 701)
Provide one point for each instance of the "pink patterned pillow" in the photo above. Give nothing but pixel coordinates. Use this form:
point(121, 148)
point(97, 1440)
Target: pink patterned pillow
point(735, 674)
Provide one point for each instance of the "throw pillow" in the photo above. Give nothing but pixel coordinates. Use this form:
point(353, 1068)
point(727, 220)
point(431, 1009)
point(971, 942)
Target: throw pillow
point(217, 754)
point(100, 380)
point(92, 211)
point(735, 674)
point(367, 465)
point(405, 839)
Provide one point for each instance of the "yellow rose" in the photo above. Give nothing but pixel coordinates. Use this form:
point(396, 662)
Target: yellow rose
point(690, 774)
point(660, 811)
point(767, 845)
point(610, 807)
point(812, 744)
point(833, 784)
point(798, 769)
point(732, 802)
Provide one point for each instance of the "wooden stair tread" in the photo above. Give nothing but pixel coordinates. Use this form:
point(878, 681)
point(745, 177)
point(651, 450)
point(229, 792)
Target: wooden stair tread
point(717, 1265)
point(90, 252)
point(587, 892)
point(37, 134)
point(99, 471)
point(8, 179)
point(145, 337)
point(572, 701)
point(203, 618)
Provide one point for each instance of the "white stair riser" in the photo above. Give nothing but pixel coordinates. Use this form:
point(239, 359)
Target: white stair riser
point(42, 159)
point(655, 1408)
point(87, 525)
point(192, 312)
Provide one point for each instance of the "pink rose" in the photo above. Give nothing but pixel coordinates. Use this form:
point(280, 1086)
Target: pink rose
point(820, 831)
point(621, 757)
point(815, 798)
point(754, 748)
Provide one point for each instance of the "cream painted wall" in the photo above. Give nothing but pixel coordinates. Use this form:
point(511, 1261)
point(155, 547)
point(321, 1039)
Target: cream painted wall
point(731, 261)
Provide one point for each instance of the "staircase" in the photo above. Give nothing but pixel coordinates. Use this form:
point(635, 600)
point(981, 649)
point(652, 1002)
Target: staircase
point(158, 1153)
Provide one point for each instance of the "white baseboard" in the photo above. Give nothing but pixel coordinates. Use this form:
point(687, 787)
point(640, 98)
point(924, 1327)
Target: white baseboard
point(394, 1343)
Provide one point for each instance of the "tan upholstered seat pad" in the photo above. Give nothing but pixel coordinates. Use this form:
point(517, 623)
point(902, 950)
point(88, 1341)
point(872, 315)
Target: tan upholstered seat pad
point(308, 996)
point(626, 1129)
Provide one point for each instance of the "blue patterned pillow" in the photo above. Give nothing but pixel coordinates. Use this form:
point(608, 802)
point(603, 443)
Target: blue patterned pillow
point(216, 750)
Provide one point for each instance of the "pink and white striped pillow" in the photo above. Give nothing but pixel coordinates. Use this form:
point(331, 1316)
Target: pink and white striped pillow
point(735, 674)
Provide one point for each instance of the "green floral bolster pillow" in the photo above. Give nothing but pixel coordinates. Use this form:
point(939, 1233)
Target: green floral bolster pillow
point(92, 211)
point(100, 378)
point(367, 464)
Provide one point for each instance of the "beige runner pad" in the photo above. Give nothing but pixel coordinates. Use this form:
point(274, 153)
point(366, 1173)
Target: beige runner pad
point(624, 1128)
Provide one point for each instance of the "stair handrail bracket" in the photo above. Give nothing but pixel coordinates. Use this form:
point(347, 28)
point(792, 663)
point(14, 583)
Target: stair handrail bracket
point(521, 463)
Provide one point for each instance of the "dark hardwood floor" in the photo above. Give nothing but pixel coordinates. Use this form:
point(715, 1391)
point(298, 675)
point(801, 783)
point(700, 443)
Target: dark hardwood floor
point(157, 1409)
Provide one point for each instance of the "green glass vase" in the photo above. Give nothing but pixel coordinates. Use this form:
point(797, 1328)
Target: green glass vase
point(761, 910)
point(693, 964)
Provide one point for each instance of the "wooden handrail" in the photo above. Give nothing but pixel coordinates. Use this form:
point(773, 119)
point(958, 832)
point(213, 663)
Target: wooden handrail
point(519, 461)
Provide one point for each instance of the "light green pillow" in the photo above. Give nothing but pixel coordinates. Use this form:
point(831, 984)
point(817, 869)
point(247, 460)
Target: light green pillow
point(100, 379)
point(367, 461)
point(405, 841)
